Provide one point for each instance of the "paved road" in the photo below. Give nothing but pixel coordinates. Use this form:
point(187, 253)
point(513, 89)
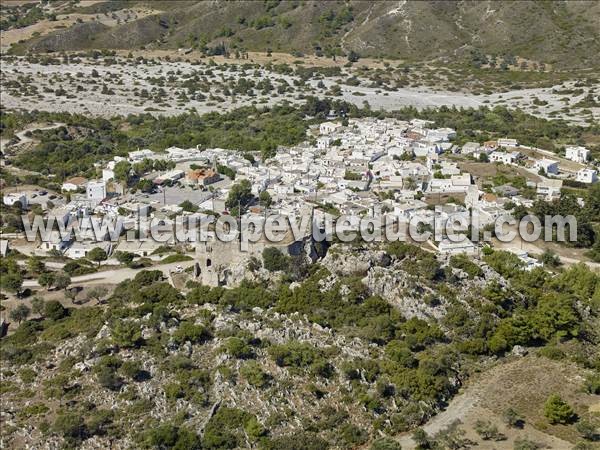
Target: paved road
point(114, 276)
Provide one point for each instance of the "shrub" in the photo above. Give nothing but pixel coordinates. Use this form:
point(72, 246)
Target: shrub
point(488, 431)
point(301, 440)
point(238, 348)
point(126, 334)
point(254, 375)
point(54, 310)
point(552, 352)
point(70, 426)
point(295, 354)
point(557, 410)
point(463, 263)
point(592, 384)
point(274, 260)
point(526, 444)
point(385, 443)
point(513, 419)
point(170, 436)
point(187, 331)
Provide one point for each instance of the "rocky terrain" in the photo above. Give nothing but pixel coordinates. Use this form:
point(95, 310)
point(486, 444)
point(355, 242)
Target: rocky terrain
point(363, 348)
point(109, 86)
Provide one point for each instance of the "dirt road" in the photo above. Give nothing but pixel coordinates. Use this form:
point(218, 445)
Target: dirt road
point(114, 276)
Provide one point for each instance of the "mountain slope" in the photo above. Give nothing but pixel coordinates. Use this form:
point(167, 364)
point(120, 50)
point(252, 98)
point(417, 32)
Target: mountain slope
point(557, 32)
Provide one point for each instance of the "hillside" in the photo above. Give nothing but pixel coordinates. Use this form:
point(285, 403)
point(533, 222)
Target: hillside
point(413, 31)
point(358, 351)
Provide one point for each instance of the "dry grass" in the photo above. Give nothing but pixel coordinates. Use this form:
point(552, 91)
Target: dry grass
point(524, 385)
point(44, 27)
point(261, 58)
point(487, 171)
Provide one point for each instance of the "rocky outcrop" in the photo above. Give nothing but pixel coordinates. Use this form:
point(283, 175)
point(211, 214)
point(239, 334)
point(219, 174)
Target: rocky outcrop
point(344, 260)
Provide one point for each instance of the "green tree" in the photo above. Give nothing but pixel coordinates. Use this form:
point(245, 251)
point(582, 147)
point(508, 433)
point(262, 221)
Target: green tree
point(238, 348)
point(62, 280)
point(37, 306)
point(167, 436)
point(122, 170)
point(97, 293)
point(239, 196)
point(188, 331)
point(385, 443)
point(274, 260)
point(556, 410)
point(54, 310)
point(126, 334)
point(12, 282)
point(98, 255)
point(20, 313)
point(353, 56)
point(46, 279)
point(188, 206)
point(71, 426)
point(549, 258)
point(35, 265)
point(265, 199)
point(254, 375)
point(124, 257)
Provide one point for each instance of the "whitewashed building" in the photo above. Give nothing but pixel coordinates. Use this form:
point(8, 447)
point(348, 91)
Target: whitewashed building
point(96, 191)
point(14, 197)
point(504, 157)
point(140, 155)
point(549, 166)
point(588, 176)
point(577, 154)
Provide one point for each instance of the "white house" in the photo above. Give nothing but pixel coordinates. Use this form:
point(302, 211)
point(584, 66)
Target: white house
point(577, 154)
point(587, 176)
point(140, 155)
point(506, 142)
point(171, 176)
point(14, 197)
point(504, 157)
point(396, 150)
point(547, 165)
point(56, 242)
point(549, 189)
point(96, 190)
point(107, 175)
point(81, 249)
point(530, 263)
point(470, 147)
point(440, 135)
point(448, 247)
point(74, 184)
point(323, 142)
point(329, 127)
point(454, 184)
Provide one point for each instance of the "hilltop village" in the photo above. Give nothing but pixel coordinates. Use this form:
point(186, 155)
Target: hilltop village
point(356, 167)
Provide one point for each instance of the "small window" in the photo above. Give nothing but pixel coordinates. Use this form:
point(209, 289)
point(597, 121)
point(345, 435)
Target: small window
point(208, 262)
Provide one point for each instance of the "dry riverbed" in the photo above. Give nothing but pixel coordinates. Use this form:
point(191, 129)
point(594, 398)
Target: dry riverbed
point(121, 86)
